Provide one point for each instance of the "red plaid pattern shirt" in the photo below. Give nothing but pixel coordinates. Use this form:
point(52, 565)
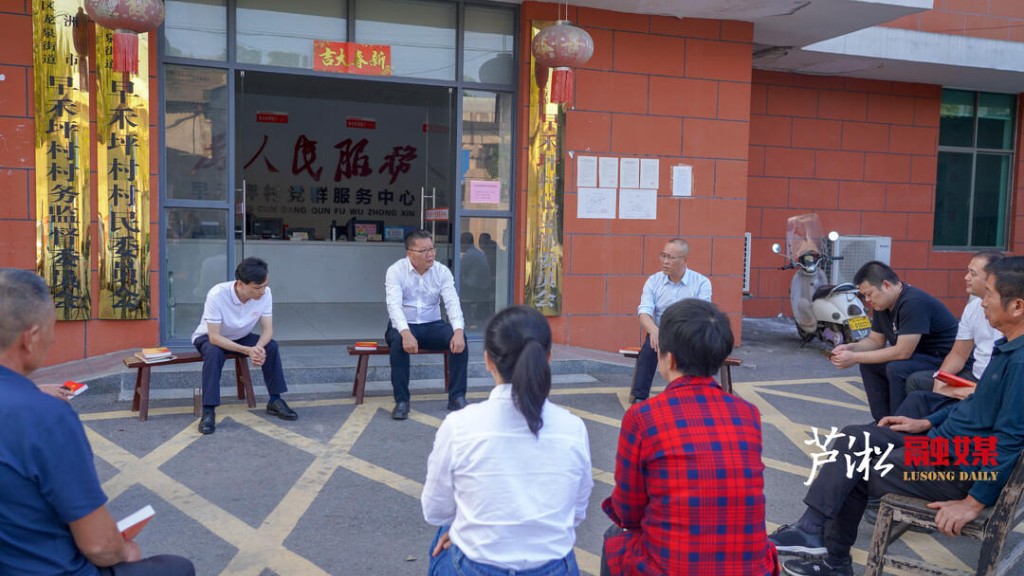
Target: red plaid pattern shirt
point(689, 486)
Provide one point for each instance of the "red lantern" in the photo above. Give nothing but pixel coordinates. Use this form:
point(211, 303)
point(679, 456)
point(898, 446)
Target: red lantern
point(560, 47)
point(128, 19)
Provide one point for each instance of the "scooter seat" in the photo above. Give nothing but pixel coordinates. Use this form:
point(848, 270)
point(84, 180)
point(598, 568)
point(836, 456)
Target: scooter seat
point(826, 290)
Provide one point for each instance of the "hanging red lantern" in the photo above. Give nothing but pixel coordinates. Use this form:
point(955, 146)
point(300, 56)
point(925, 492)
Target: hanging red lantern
point(560, 47)
point(128, 19)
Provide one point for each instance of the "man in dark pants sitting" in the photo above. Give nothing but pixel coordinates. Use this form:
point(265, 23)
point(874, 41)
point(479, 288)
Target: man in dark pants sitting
point(910, 331)
point(231, 312)
point(413, 288)
point(837, 497)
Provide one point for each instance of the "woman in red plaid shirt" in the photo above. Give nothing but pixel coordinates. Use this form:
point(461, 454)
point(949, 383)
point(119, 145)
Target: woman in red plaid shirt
point(689, 484)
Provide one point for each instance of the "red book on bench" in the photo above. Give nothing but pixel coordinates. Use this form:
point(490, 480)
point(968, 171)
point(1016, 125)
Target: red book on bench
point(953, 379)
point(371, 346)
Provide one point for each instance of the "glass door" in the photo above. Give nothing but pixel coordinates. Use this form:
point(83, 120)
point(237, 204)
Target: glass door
point(332, 173)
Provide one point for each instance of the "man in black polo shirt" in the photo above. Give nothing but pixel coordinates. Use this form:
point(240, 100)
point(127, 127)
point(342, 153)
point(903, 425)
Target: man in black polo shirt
point(910, 331)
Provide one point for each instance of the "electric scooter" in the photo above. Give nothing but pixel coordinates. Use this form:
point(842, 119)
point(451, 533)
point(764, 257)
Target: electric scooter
point(832, 313)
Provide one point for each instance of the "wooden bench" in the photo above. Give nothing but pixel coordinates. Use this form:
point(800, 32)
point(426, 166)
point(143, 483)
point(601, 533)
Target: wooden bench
point(724, 374)
point(140, 402)
point(991, 527)
point(359, 384)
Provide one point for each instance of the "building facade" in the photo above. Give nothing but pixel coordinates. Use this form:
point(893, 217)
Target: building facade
point(312, 134)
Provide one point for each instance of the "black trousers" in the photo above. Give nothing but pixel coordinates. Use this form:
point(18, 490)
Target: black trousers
point(646, 366)
point(885, 384)
point(431, 336)
point(841, 497)
point(162, 565)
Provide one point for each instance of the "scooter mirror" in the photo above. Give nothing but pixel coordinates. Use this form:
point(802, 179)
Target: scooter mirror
point(833, 236)
point(776, 248)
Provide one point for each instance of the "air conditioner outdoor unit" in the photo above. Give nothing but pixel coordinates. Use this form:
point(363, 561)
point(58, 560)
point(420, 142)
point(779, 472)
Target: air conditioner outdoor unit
point(856, 251)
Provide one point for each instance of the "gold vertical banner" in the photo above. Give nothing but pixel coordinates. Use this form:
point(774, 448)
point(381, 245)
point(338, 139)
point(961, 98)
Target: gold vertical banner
point(122, 175)
point(544, 193)
point(61, 90)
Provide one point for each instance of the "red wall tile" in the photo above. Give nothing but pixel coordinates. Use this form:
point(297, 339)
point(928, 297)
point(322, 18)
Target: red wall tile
point(673, 96)
point(644, 53)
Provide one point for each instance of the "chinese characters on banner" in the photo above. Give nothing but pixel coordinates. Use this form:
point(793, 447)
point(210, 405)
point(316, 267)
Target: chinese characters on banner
point(352, 58)
point(122, 160)
point(317, 167)
point(60, 77)
point(545, 189)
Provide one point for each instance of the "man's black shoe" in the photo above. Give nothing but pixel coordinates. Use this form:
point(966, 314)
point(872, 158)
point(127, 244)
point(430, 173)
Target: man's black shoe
point(208, 422)
point(790, 539)
point(280, 409)
point(457, 403)
point(401, 411)
point(634, 399)
point(825, 566)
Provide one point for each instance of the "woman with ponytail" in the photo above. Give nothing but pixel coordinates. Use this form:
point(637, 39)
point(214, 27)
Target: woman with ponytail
point(509, 479)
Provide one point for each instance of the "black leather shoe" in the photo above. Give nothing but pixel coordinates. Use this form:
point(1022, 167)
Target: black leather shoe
point(280, 409)
point(401, 411)
point(208, 422)
point(457, 403)
point(634, 399)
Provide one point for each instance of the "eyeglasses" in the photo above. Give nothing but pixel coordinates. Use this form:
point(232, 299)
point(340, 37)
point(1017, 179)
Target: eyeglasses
point(424, 251)
point(664, 256)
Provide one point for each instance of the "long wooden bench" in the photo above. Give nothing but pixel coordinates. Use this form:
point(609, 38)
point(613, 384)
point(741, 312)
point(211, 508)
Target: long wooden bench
point(359, 384)
point(140, 402)
point(724, 374)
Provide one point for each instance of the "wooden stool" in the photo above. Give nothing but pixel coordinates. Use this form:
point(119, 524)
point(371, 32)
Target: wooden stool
point(359, 384)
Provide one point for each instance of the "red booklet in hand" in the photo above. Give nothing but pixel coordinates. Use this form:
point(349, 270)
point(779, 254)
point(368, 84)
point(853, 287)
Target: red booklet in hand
point(953, 380)
point(130, 526)
point(75, 388)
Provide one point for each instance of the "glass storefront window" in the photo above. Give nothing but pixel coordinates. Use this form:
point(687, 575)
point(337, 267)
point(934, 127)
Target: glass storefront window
point(484, 266)
point(196, 133)
point(995, 120)
point(486, 159)
point(282, 34)
point(489, 42)
point(421, 35)
point(196, 29)
point(196, 260)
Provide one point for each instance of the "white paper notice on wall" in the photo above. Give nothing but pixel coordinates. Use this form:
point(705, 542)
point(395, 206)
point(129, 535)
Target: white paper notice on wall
point(649, 176)
point(638, 204)
point(629, 173)
point(608, 172)
point(682, 180)
point(586, 172)
point(596, 203)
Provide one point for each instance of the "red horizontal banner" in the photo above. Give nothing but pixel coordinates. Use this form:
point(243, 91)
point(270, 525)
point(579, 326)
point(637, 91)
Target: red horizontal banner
point(272, 117)
point(364, 123)
point(352, 58)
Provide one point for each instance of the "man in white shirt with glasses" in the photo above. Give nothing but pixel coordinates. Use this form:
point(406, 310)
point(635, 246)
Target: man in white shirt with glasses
point(673, 283)
point(414, 287)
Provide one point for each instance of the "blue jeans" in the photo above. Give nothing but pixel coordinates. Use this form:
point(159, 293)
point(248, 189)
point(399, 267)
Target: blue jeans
point(452, 562)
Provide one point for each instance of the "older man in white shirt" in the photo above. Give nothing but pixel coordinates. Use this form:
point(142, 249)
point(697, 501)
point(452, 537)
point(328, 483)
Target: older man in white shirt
point(673, 283)
point(414, 287)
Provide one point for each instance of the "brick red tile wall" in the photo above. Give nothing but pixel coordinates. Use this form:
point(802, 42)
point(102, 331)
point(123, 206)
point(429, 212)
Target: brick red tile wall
point(75, 340)
point(993, 19)
point(862, 154)
point(674, 89)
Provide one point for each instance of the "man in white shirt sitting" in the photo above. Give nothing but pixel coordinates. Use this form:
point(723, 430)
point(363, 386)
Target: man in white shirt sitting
point(973, 334)
point(231, 312)
point(414, 287)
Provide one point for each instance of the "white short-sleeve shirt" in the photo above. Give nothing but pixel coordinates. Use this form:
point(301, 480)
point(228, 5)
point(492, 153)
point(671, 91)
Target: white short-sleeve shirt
point(235, 318)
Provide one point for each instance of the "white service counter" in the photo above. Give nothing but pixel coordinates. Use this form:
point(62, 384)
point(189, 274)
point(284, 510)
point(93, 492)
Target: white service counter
point(314, 272)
